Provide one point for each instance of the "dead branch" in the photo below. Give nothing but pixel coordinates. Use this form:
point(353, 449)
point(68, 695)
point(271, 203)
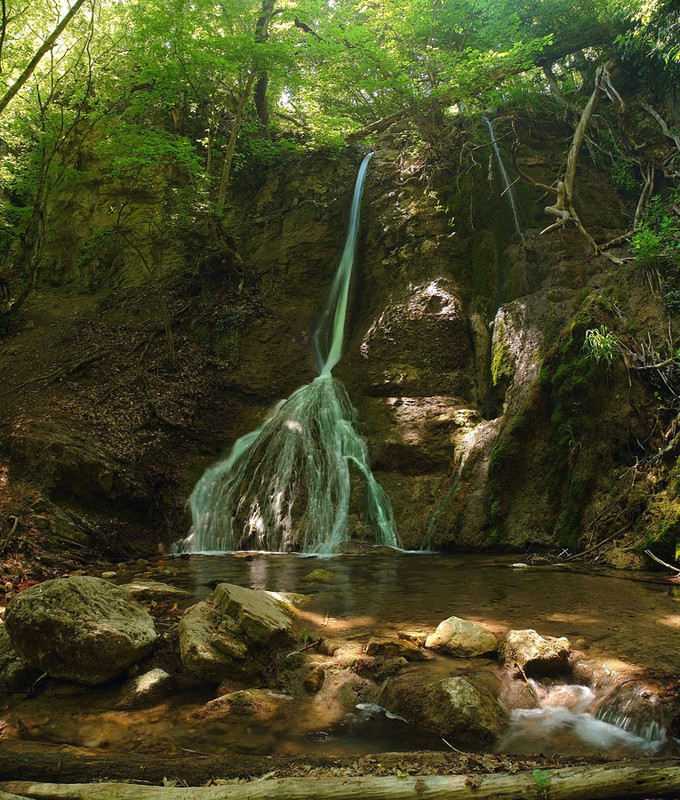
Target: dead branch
point(633, 779)
point(663, 563)
point(664, 127)
point(378, 126)
point(647, 190)
point(10, 534)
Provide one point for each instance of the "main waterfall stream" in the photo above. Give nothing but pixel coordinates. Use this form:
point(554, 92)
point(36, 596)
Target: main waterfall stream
point(287, 485)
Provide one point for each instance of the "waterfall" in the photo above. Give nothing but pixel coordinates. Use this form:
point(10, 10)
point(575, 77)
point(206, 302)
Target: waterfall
point(507, 186)
point(288, 484)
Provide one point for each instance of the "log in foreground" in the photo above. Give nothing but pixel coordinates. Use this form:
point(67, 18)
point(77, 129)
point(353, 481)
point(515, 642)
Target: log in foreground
point(630, 779)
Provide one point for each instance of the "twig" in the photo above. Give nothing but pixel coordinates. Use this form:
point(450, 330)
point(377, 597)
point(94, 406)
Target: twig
point(663, 563)
point(598, 545)
point(462, 753)
point(531, 689)
point(306, 647)
point(196, 752)
point(11, 533)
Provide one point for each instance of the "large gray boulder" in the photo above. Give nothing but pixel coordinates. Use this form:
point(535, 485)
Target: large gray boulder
point(460, 637)
point(462, 708)
point(81, 629)
point(234, 632)
point(535, 655)
point(14, 673)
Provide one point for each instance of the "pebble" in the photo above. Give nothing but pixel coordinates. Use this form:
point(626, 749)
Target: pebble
point(109, 575)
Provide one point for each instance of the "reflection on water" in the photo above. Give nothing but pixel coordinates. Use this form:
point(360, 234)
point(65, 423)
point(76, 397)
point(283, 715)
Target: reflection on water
point(617, 618)
point(613, 620)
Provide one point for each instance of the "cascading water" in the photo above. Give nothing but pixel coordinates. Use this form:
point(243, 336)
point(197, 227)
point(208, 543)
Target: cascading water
point(507, 186)
point(287, 485)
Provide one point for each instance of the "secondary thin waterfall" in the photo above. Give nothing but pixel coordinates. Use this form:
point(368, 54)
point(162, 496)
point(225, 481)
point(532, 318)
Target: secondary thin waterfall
point(507, 186)
point(288, 485)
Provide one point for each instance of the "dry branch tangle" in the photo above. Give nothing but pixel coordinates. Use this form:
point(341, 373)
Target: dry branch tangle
point(621, 779)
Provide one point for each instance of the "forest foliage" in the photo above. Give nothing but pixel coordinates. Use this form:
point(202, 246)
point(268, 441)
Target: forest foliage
point(198, 90)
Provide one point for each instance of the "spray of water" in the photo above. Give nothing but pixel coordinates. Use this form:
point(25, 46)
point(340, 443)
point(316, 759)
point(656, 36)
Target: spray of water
point(288, 484)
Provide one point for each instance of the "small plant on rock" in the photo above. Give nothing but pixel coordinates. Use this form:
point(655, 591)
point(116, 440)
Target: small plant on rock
point(600, 344)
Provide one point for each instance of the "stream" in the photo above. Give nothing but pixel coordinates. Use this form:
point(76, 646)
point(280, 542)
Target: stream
point(626, 631)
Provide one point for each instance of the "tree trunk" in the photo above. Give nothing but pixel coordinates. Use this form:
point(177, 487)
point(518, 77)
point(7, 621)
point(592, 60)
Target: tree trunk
point(633, 779)
point(233, 138)
point(33, 63)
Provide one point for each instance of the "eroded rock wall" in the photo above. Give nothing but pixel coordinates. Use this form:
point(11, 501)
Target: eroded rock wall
point(486, 426)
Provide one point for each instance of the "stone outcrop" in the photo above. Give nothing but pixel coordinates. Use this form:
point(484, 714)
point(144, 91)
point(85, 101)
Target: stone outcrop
point(460, 637)
point(81, 629)
point(537, 655)
point(236, 631)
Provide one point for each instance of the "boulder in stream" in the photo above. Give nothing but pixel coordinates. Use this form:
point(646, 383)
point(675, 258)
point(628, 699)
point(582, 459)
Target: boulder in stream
point(145, 590)
point(463, 708)
point(460, 637)
point(538, 656)
point(82, 629)
point(14, 673)
point(145, 689)
point(234, 632)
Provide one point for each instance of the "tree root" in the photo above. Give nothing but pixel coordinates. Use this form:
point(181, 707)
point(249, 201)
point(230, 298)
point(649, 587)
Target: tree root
point(65, 369)
point(563, 207)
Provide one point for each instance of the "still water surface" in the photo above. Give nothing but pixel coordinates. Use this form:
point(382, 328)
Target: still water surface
point(626, 629)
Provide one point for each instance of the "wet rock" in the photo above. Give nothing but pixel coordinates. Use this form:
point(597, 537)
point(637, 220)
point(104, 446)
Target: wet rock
point(260, 704)
point(461, 637)
point(419, 343)
point(465, 709)
point(235, 631)
point(145, 689)
point(146, 591)
point(315, 678)
point(330, 647)
point(394, 648)
point(14, 673)
point(82, 629)
point(417, 637)
point(319, 575)
point(537, 655)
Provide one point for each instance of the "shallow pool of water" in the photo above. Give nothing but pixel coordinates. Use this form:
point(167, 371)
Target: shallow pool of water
point(625, 629)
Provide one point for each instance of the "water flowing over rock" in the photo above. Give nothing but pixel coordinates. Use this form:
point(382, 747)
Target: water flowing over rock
point(460, 637)
point(288, 484)
point(535, 654)
point(234, 632)
point(81, 629)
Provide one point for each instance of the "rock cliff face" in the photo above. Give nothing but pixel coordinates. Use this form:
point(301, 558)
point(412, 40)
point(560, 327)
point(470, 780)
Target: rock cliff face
point(487, 426)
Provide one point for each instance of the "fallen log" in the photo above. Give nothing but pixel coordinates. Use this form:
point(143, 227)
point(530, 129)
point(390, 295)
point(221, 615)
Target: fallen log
point(632, 779)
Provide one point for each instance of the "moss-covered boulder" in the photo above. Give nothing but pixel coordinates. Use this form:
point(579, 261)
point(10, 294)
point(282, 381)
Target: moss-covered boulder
point(462, 708)
point(235, 632)
point(81, 629)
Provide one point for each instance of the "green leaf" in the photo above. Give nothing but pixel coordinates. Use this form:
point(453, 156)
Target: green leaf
point(541, 777)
